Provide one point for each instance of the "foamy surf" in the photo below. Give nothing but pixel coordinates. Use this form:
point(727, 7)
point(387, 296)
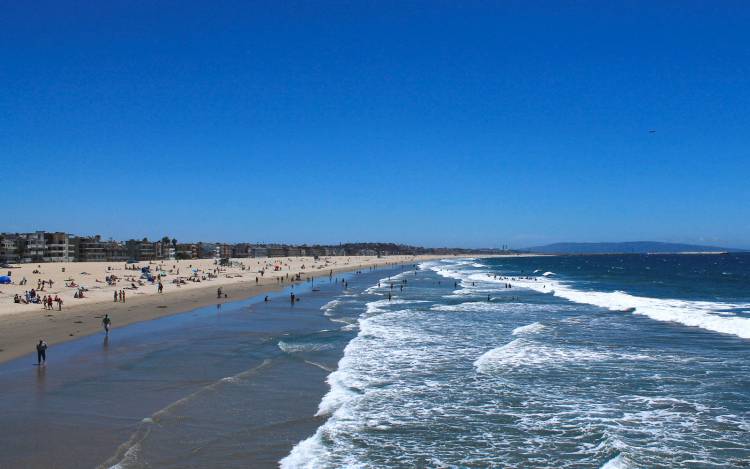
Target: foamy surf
point(528, 329)
point(618, 462)
point(301, 347)
point(709, 315)
point(523, 353)
point(461, 381)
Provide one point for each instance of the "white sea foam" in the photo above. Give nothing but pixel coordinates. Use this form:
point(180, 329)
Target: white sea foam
point(618, 462)
point(377, 307)
point(306, 453)
point(469, 306)
point(522, 353)
point(330, 306)
point(532, 328)
point(299, 347)
point(710, 315)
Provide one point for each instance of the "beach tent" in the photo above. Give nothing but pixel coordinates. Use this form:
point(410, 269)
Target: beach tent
point(5, 280)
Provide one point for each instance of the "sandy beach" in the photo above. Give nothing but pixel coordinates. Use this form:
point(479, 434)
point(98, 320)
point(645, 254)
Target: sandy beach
point(187, 284)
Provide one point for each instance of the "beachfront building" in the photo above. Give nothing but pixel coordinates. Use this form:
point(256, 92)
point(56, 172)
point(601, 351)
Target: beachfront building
point(241, 250)
point(206, 250)
point(275, 251)
point(292, 251)
point(258, 251)
point(90, 248)
point(187, 251)
point(319, 251)
point(59, 248)
point(116, 251)
point(9, 248)
point(224, 251)
point(169, 252)
point(34, 247)
point(143, 250)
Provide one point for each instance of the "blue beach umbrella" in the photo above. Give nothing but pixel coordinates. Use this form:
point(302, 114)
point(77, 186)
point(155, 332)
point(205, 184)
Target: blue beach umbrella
point(5, 280)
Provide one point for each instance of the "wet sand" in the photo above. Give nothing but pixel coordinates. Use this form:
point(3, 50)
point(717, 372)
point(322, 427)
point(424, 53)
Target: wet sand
point(207, 388)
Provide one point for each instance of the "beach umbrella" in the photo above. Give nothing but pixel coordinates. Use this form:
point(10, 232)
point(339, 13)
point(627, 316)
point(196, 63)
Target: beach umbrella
point(4, 279)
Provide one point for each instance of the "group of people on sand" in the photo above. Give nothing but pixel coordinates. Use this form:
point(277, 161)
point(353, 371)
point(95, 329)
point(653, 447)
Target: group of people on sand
point(48, 300)
point(119, 296)
point(32, 297)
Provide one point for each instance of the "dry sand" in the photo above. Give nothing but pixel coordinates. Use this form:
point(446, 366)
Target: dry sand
point(24, 324)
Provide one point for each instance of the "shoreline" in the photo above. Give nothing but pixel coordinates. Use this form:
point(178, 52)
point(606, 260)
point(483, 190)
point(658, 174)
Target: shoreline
point(22, 330)
point(248, 375)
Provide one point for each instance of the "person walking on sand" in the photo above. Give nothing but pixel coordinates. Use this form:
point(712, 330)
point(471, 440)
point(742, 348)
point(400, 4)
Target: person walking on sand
point(41, 352)
point(115, 296)
point(106, 323)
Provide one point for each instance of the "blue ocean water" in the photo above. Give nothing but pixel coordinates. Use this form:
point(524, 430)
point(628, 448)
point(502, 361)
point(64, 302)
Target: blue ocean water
point(573, 361)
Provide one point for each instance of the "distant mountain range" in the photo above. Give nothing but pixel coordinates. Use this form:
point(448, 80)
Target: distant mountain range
point(632, 247)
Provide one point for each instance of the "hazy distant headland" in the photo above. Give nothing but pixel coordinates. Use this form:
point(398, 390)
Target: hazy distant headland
point(630, 247)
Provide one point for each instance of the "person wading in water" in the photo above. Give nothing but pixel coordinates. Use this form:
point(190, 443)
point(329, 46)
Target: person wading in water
point(41, 352)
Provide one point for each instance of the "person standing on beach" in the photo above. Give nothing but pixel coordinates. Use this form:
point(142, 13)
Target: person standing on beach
point(115, 296)
point(106, 323)
point(41, 352)
point(161, 287)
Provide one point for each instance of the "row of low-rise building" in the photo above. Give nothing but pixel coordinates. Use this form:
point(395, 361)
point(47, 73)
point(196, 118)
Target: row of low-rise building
point(42, 246)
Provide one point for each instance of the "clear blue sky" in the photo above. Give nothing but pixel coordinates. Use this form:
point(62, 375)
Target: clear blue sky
point(428, 123)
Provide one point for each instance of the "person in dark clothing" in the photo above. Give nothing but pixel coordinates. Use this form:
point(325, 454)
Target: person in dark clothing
point(41, 352)
point(106, 322)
